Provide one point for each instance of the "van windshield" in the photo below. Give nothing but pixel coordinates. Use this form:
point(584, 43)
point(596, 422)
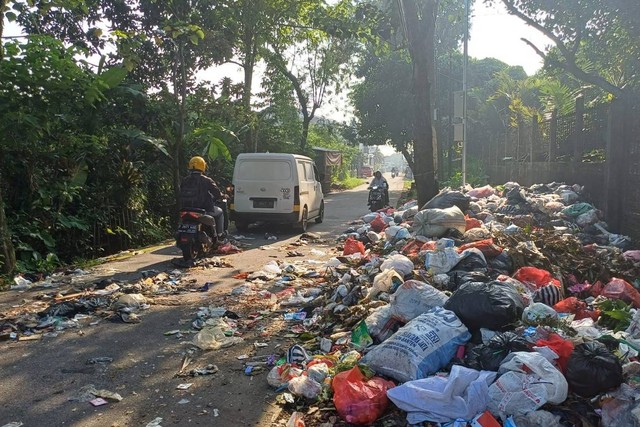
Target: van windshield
point(260, 170)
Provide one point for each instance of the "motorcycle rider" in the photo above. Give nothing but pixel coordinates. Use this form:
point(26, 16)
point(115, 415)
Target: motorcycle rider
point(380, 181)
point(201, 192)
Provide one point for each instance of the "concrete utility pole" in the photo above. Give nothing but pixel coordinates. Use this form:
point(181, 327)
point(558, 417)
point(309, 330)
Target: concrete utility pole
point(465, 66)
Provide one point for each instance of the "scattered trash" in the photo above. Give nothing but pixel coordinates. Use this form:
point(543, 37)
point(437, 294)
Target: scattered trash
point(98, 402)
point(156, 422)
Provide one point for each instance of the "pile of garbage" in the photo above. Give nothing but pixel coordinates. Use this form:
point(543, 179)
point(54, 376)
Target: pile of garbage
point(505, 306)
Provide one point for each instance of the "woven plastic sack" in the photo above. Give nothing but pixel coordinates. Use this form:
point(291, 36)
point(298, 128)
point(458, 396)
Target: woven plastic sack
point(420, 348)
point(436, 222)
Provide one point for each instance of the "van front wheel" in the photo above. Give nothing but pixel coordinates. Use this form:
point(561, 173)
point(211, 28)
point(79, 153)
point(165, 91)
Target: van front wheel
point(304, 222)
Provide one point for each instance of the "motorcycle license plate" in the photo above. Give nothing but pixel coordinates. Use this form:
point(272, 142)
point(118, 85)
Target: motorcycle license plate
point(188, 228)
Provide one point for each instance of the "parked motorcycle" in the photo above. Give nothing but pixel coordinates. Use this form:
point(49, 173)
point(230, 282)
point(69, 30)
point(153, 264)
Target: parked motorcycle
point(376, 198)
point(196, 235)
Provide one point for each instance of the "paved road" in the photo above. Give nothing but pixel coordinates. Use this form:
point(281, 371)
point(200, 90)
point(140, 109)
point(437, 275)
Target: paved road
point(39, 377)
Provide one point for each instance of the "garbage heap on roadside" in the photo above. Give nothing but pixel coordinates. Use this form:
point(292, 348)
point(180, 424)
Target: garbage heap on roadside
point(504, 306)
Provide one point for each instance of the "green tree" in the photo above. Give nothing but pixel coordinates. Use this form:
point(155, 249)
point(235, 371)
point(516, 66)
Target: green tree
point(596, 42)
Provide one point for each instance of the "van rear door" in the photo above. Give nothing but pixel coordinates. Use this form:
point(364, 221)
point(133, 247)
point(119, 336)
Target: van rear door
point(264, 185)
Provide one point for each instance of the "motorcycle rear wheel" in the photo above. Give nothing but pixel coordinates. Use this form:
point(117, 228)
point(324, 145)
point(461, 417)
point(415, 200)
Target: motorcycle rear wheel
point(189, 251)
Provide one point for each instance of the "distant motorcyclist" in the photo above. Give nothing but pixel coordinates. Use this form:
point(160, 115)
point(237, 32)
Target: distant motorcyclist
point(201, 192)
point(380, 181)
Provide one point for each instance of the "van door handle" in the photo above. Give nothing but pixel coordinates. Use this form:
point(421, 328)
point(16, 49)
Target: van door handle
point(304, 192)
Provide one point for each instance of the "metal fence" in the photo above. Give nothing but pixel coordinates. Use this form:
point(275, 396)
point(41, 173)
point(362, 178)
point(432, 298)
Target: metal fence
point(597, 147)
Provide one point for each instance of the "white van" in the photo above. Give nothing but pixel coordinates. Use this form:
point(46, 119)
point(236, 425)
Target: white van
point(276, 187)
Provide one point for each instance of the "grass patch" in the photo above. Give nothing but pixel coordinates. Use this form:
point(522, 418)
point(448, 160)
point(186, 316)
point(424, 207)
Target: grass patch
point(348, 183)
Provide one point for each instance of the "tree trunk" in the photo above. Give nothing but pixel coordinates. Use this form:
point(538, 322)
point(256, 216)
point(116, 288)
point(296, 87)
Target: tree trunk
point(420, 18)
point(180, 95)
point(306, 120)
point(7, 251)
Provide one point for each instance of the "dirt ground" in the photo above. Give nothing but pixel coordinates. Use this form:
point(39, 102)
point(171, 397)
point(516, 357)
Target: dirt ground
point(40, 378)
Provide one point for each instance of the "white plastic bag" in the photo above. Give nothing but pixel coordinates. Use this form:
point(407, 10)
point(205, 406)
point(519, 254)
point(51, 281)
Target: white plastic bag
point(414, 298)
point(444, 258)
point(386, 281)
point(399, 263)
point(463, 394)
point(420, 348)
point(212, 336)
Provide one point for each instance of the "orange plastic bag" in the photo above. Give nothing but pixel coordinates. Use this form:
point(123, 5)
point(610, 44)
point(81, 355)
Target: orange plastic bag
point(378, 224)
point(563, 348)
point(358, 400)
point(353, 246)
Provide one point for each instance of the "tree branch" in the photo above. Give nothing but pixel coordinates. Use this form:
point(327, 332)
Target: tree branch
point(570, 65)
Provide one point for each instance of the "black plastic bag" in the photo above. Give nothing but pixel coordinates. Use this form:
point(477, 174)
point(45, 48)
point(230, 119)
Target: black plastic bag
point(459, 277)
point(502, 264)
point(493, 305)
point(474, 261)
point(593, 369)
point(488, 357)
point(447, 198)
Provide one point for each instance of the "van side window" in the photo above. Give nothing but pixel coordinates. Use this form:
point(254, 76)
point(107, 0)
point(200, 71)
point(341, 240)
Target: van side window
point(301, 172)
point(309, 168)
point(315, 172)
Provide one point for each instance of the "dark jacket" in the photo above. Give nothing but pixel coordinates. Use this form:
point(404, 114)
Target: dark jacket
point(199, 191)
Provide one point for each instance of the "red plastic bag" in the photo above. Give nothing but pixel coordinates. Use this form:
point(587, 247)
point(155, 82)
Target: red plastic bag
point(536, 276)
point(472, 223)
point(378, 224)
point(575, 306)
point(358, 400)
point(620, 289)
point(412, 248)
point(353, 246)
point(563, 348)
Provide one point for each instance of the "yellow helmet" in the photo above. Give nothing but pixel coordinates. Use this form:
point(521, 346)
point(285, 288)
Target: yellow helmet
point(198, 163)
